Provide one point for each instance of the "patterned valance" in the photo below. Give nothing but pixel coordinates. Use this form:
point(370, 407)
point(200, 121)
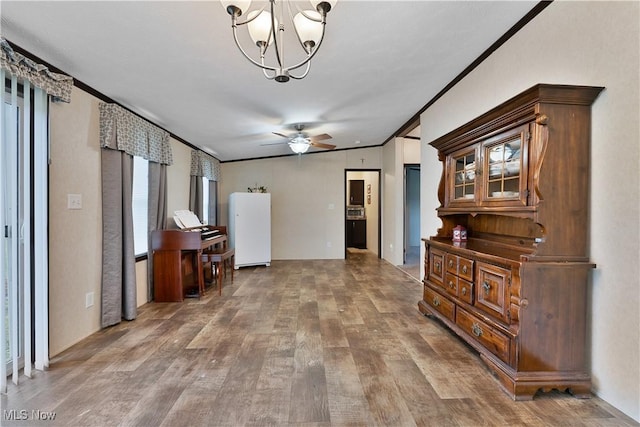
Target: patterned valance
point(122, 130)
point(57, 85)
point(205, 165)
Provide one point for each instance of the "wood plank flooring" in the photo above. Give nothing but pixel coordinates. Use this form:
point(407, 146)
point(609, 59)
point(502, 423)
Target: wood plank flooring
point(299, 343)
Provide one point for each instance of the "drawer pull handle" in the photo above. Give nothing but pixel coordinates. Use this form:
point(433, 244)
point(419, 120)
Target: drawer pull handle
point(486, 287)
point(438, 267)
point(450, 263)
point(477, 330)
point(464, 269)
point(436, 301)
point(450, 284)
point(464, 291)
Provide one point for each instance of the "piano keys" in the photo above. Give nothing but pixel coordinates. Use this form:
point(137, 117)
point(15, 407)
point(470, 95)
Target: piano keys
point(177, 260)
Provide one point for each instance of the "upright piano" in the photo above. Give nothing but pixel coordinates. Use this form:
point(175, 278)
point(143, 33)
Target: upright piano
point(177, 260)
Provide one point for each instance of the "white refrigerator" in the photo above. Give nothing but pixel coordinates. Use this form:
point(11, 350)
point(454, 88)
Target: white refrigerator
point(250, 228)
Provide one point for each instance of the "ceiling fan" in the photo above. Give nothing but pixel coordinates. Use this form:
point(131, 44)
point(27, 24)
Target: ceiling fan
point(301, 141)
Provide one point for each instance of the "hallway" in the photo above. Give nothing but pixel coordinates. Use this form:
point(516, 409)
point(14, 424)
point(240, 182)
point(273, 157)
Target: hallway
point(313, 342)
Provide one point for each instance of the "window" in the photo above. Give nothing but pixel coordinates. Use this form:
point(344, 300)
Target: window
point(139, 204)
point(209, 201)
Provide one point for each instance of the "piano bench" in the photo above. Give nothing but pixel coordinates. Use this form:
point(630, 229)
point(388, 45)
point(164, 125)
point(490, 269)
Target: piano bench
point(219, 259)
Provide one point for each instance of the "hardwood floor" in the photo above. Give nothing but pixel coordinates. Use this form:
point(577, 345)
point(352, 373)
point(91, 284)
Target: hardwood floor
point(313, 343)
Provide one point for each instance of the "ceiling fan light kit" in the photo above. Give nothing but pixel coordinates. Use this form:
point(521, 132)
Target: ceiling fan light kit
point(301, 141)
point(299, 145)
point(264, 28)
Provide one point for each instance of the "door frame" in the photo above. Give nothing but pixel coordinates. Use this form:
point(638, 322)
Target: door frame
point(378, 172)
point(405, 224)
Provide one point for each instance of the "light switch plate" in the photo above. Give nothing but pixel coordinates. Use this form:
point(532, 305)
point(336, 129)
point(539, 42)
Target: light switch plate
point(74, 201)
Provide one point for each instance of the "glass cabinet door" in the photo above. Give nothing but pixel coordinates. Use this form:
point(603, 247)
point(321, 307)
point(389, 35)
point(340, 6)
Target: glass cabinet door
point(504, 168)
point(464, 166)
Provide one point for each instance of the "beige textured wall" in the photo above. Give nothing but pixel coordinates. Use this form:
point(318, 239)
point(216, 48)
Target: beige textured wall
point(392, 200)
point(178, 179)
point(582, 43)
point(307, 198)
point(410, 151)
point(75, 236)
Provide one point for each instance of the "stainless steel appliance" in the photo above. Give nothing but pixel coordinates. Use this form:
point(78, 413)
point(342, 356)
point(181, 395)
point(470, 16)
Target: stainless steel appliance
point(355, 212)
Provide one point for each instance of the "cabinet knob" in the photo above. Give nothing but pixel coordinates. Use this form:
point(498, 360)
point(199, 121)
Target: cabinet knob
point(464, 291)
point(450, 263)
point(436, 301)
point(464, 269)
point(477, 330)
point(438, 267)
point(450, 284)
point(486, 286)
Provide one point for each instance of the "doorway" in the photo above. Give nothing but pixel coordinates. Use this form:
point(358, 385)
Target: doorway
point(24, 155)
point(411, 253)
point(362, 211)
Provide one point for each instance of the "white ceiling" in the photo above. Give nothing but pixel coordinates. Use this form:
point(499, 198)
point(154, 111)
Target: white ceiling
point(175, 63)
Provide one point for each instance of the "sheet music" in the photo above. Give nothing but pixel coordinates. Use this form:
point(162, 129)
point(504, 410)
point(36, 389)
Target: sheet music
point(186, 219)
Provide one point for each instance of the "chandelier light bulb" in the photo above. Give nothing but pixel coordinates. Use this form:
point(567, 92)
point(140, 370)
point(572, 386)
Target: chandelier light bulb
point(323, 5)
point(309, 31)
point(260, 27)
point(237, 7)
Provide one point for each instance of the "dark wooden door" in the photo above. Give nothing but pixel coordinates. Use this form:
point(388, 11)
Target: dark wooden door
point(357, 233)
point(356, 192)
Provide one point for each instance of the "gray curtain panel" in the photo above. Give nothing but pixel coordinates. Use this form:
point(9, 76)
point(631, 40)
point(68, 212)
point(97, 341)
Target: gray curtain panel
point(157, 211)
point(118, 257)
point(123, 135)
point(195, 197)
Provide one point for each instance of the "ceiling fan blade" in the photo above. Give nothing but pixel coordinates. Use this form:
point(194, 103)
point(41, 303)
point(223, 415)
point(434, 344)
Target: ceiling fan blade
point(322, 145)
point(274, 143)
point(279, 134)
point(320, 137)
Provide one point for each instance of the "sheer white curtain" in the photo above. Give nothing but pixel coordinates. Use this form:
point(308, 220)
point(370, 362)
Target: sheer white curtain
point(24, 156)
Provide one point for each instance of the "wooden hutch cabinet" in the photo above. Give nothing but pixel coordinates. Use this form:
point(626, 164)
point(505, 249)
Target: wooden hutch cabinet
point(517, 178)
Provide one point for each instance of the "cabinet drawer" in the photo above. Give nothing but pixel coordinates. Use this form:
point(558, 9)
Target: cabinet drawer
point(461, 267)
point(451, 262)
point(440, 304)
point(465, 269)
point(491, 339)
point(436, 265)
point(465, 291)
point(492, 290)
point(451, 284)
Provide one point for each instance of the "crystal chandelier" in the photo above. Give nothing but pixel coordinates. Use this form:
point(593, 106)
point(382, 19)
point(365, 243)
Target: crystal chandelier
point(264, 29)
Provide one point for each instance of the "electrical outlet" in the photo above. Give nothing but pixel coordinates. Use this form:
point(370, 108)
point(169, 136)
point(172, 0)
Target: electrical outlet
point(89, 299)
point(74, 201)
